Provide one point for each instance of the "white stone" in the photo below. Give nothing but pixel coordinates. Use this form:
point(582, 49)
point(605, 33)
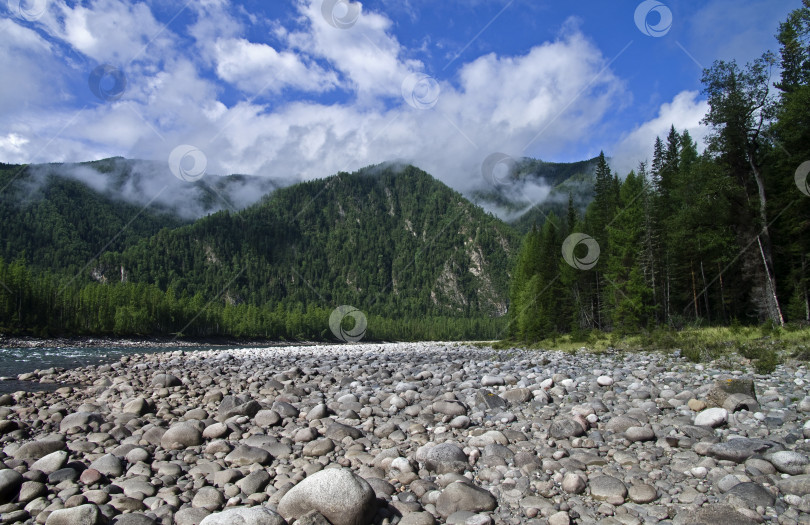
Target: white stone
point(604, 381)
point(712, 417)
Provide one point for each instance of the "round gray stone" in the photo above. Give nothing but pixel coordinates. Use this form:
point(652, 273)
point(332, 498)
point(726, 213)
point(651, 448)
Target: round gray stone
point(446, 457)
point(340, 495)
point(607, 488)
point(460, 496)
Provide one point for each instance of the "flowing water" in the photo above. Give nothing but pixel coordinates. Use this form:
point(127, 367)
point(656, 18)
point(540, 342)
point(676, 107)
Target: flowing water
point(15, 361)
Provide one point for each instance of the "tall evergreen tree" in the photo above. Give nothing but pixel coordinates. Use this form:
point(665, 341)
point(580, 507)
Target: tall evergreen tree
point(740, 109)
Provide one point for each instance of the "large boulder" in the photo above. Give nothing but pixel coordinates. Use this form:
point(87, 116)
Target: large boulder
point(723, 388)
point(244, 516)
point(340, 495)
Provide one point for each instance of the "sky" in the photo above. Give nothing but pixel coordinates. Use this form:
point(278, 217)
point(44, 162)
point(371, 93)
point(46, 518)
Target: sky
point(302, 89)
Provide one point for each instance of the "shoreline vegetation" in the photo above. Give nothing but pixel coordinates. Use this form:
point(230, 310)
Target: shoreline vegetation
point(762, 346)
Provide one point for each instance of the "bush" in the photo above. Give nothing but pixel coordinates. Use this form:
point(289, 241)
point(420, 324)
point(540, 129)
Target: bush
point(767, 362)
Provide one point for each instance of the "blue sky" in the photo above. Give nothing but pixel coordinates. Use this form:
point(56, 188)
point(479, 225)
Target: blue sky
point(291, 89)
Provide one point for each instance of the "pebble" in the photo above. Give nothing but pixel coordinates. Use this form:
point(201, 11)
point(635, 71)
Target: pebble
point(431, 432)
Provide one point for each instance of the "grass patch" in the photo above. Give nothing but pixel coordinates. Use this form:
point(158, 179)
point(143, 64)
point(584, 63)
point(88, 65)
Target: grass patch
point(765, 346)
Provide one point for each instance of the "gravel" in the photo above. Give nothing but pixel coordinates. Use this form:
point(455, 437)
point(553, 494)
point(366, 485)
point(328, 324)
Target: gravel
point(410, 433)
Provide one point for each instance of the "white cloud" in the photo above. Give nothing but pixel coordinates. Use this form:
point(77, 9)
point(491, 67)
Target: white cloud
point(26, 60)
point(258, 68)
point(684, 112)
point(367, 54)
point(533, 104)
point(108, 30)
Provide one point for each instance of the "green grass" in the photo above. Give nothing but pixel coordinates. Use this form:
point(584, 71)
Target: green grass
point(765, 346)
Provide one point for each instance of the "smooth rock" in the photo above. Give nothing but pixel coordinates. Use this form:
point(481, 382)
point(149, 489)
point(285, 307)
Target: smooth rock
point(711, 515)
point(711, 417)
point(38, 449)
point(166, 381)
point(244, 516)
point(82, 515)
point(461, 496)
point(566, 427)
point(788, 461)
point(607, 488)
point(10, 483)
point(603, 381)
point(634, 434)
point(108, 465)
point(50, 463)
point(245, 455)
point(446, 457)
point(340, 495)
point(180, 436)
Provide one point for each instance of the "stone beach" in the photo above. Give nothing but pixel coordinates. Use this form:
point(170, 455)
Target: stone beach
point(409, 433)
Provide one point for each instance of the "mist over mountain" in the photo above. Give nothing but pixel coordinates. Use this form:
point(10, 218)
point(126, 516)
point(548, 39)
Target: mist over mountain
point(152, 184)
point(523, 192)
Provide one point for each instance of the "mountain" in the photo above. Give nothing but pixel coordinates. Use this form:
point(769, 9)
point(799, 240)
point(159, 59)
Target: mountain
point(531, 189)
point(387, 239)
point(61, 216)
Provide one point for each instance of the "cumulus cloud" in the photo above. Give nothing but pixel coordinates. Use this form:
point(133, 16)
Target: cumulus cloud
point(256, 68)
point(531, 104)
point(685, 112)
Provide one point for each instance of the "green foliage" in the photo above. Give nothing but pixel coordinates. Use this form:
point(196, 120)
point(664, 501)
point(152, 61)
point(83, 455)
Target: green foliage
point(700, 240)
point(394, 243)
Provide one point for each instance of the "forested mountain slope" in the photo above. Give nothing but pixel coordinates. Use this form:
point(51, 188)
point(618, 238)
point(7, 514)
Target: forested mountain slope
point(386, 239)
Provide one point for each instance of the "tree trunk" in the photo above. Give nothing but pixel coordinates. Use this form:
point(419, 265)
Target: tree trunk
point(764, 240)
point(722, 293)
point(694, 290)
point(777, 314)
point(705, 292)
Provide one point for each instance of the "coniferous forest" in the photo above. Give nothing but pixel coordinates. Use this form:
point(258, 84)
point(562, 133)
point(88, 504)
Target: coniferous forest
point(716, 238)
point(700, 236)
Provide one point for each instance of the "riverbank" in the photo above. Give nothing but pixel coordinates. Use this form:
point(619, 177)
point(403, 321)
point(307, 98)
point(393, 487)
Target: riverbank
point(409, 433)
point(152, 342)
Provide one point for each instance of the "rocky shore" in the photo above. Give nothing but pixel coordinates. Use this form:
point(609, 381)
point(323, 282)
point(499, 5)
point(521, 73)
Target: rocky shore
point(413, 434)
